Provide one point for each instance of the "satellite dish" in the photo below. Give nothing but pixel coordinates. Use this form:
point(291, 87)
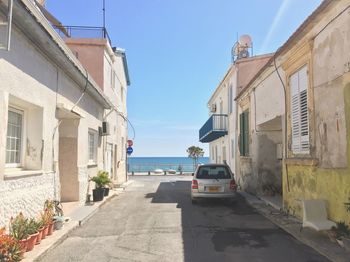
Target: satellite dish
point(245, 41)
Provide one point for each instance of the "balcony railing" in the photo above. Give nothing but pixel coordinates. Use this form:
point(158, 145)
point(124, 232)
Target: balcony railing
point(214, 128)
point(82, 32)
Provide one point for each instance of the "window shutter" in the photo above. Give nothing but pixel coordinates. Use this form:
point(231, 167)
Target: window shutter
point(304, 113)
point(241, 134)
point(295, 113)
point(246, 133)
point(299, 112)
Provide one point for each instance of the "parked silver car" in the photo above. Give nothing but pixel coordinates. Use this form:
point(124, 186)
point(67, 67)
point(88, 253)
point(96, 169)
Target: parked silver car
point(213, 181)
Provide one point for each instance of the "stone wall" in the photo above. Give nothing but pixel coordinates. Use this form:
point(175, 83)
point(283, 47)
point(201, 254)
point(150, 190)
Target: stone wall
point(26, 195)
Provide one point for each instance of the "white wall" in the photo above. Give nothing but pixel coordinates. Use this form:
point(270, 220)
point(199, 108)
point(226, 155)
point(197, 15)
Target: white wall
point(28, 78)
point(116, 91)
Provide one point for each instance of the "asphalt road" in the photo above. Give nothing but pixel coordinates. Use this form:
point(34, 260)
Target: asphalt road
point(154, 220)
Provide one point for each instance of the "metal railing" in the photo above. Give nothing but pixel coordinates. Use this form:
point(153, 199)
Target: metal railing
point(217, 122)
point(151, 167)
point(82, 32)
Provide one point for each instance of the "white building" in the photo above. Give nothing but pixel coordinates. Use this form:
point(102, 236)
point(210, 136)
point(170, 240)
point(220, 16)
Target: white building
point(220, 130)
point(51, 110)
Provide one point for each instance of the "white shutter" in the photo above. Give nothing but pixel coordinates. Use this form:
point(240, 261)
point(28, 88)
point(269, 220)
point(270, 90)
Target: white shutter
point(304, 114)
point(299, 112)
point(295, 113)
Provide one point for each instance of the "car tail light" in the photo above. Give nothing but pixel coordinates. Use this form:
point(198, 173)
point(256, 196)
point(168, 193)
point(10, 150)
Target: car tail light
point(194, 184)
point(233, 185)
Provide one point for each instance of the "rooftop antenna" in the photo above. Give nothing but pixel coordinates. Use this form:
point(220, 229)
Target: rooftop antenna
point(104, 18)
point(241, 48)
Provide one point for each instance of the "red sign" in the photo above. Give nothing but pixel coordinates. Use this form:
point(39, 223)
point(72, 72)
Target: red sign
point(130, 143)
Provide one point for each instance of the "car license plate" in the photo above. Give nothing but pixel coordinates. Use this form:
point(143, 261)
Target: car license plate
point(213, 189)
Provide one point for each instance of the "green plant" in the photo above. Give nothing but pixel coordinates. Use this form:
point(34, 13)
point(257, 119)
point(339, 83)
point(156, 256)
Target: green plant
point(19, 227)
point(341, 230)
point(347, 206)
point(195, 153)
point(49, 206)
point(10, 249)
point(33, 226)
point(101, 179)
point(46, 217)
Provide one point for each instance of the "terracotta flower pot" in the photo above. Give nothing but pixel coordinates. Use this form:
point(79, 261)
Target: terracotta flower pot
point(50, 229)
point(39, 237)
point(31, 241)
point(23, 244)
point(44, 232)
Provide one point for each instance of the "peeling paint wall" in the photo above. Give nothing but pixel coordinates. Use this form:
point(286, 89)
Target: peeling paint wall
point(327, 175)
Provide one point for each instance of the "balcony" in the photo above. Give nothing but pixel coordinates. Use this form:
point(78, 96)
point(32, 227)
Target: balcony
point(82, 32)
point(214, 128)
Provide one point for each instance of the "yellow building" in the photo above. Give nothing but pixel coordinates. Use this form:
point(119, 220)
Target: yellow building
point(316, 62)
point(306, 108)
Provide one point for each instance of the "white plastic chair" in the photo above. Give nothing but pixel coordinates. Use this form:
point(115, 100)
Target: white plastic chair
point(315, 215)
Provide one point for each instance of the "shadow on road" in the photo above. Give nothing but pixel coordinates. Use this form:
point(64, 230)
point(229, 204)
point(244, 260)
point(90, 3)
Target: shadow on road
point(218, 230)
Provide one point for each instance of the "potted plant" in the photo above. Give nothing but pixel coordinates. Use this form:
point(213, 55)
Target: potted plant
point(33, 232)
point(106, 181)
point(100, 180)
point(40, 230)
point(49, 209)
point(45, 220)
point(56, 207)
point(19, 230)
point(10, 249)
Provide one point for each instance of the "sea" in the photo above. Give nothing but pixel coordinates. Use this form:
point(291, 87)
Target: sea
point(149, 164)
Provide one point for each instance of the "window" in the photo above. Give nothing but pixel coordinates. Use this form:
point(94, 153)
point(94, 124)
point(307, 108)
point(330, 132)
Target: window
point(213, 172)
point(244, 133)
point(92, 146)
point(299, 112)
point(14, 138)
point(112, 79)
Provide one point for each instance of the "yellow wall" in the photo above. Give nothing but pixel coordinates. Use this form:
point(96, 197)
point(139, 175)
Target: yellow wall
point(312, 182)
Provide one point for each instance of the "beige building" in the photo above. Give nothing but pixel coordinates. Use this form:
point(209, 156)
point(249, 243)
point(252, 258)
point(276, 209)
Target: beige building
point(260, 129)
point(52, 110)
point(312, 90)
point(108, 67)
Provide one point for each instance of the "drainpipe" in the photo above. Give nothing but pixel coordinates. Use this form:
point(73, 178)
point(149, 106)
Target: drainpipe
point(285, 125)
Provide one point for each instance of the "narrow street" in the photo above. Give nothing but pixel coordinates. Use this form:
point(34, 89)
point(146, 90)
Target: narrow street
point(154, 220)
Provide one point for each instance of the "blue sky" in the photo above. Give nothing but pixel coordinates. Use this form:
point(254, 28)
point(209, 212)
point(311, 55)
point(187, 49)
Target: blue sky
point(178, 51)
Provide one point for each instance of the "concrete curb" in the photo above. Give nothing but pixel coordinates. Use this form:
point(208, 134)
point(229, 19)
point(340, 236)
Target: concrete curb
point(320, 243)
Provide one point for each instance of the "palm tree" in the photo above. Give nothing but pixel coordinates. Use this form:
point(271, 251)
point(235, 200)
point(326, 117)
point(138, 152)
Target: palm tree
point(195, 152)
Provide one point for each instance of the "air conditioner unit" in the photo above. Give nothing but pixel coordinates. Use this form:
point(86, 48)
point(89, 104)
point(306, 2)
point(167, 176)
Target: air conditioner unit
point(213, 108)
point(104, 130)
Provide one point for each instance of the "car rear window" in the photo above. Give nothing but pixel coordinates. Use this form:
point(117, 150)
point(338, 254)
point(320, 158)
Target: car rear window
point(213, 172)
